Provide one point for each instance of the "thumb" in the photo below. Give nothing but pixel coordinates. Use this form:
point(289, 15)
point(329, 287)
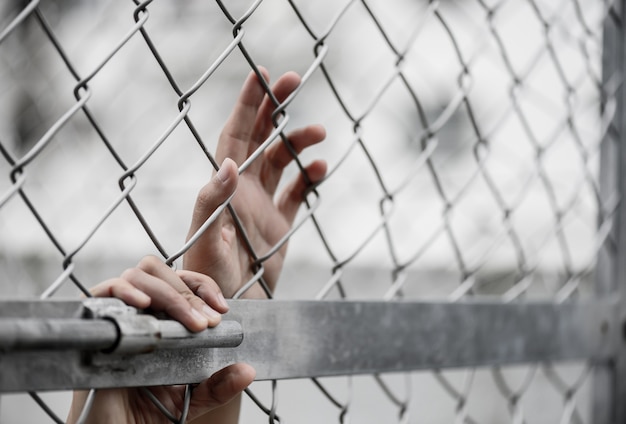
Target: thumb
point(220, 388)
point(211, 196)
point(216, 191)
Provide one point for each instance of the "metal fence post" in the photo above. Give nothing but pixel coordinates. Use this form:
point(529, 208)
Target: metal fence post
point(609, 383)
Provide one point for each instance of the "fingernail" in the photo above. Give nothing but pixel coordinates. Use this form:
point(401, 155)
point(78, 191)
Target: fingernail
point(210, 313)
point(222, 173)
point(140, 296)
point(222, 301)
point(198, 317)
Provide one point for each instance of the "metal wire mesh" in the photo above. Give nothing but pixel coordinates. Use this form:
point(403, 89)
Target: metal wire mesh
point(463, 148)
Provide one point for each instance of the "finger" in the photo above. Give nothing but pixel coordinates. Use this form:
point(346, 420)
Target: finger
point(239, 128)
point(164, 298)
point(293, 195)
point(220, 388)
point(180, 302)
point(264, 125)
point(210, 197)
point(205, 288)
point(139, 289)
point(279, 156)
point(79, 398)
point(122, 289)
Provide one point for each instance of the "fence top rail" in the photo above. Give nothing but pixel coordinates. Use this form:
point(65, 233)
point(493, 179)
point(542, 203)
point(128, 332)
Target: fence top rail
point(293, 339)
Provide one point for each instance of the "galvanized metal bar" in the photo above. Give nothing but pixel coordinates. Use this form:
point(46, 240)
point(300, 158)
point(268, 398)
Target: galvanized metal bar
point(303, 339)
point(106, 325)
point(292, 339)
point(57, 334)
point(123, 336)
point(609, 379)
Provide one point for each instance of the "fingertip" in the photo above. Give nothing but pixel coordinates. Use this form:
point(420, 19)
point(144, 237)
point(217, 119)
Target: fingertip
point(227, 171)
point(224, 385)
point(197, 321)
point(232, 379)
point(248, 372)
point(221, 303)
point(213, 316)
point(231, 165)
point(138, 298)
point(292, 77)
point(217, 190)
point(243, 375)
point(213, 298)
point(317, 170)
point(319, 132)
point(294, 194)
point(207, 290)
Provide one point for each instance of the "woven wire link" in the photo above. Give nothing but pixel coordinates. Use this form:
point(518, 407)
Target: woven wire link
point(469, 153)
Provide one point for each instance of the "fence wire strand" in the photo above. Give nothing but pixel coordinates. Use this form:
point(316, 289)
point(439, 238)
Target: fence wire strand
point(465, 136)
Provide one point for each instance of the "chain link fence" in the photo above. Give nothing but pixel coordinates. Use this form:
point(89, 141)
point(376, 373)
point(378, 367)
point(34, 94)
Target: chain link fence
point(463, 142)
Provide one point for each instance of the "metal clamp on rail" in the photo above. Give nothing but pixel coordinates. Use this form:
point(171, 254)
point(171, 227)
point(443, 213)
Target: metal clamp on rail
point(142, 333)
point(110, 326)
point(97, 343)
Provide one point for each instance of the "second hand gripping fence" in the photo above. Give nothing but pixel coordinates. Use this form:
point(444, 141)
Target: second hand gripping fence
point(462, 260)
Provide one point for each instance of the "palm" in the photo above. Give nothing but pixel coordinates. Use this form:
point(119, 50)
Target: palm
point(132, 406)
point(264, 230)
point(228, 261)
point(265, 218)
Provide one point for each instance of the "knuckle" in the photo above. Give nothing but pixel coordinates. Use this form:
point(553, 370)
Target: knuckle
point(188, 296)
point(130, 274)
point(205, 195)
point(173, 299)
point(149, 263)
point(201, 291)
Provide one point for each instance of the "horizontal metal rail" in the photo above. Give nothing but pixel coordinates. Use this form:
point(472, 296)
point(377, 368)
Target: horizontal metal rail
point(108, 344)
point(112, 336)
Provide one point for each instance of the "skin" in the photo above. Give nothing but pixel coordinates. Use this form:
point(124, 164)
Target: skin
point(219, 252)
point(218, 264)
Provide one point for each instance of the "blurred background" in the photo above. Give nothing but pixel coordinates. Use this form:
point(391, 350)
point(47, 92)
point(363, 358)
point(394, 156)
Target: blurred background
point(463, 142)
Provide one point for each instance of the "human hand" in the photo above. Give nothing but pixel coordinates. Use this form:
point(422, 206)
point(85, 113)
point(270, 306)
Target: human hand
point(265, 217)
point(194, 300)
